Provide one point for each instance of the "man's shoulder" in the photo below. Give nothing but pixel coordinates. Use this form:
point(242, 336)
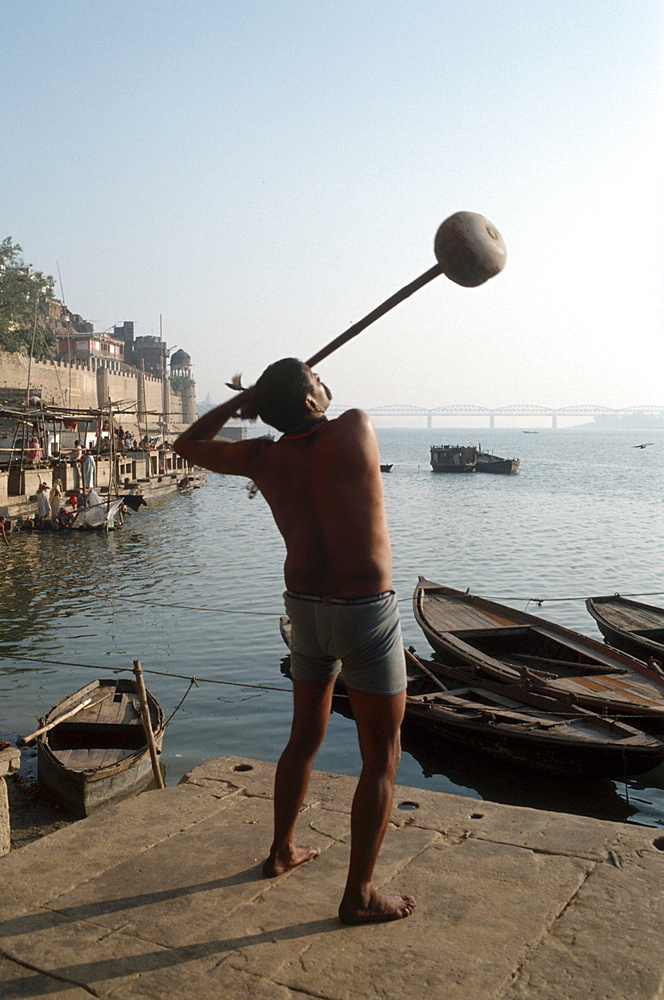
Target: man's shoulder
point(355, 418)
point(354, 422)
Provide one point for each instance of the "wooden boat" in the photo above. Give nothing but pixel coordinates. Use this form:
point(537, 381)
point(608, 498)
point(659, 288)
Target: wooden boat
point(637, 629)
point(453, 458)
point(538, 733)
point(99, 754)
point(519, 649)
point(497, 466)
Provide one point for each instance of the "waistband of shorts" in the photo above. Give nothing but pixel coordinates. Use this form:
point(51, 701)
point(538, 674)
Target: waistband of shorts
point(370, 599)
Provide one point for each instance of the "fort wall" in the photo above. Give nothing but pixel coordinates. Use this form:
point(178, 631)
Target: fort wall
point(88, 384)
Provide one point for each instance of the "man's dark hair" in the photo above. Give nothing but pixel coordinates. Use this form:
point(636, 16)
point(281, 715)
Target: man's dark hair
point(280, 393)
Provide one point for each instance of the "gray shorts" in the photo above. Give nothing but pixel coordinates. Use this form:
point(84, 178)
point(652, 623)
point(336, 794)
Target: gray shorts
point(359, 638)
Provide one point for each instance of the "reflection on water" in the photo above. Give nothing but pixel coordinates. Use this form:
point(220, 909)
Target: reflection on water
point(503, 782)
point(192, 586)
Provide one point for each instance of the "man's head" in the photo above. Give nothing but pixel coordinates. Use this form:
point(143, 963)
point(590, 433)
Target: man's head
point(288, 393)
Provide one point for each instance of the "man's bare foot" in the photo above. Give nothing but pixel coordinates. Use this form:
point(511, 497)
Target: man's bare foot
point(377, 910)
point(277, 864)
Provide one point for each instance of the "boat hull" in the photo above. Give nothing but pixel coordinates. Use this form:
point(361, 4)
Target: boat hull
point(635, 628)
point(568, 756)
point(497, 466)
point(520, 649)
point(529, 730)
point(100, 755)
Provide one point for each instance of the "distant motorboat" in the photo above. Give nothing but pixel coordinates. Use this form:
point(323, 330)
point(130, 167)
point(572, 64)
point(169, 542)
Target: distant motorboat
point(468, 458)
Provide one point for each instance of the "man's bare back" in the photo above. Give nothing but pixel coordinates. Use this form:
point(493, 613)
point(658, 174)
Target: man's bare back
point(326, 495)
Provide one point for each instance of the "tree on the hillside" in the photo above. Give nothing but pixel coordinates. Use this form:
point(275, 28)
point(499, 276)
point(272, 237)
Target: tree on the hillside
point(24, 307)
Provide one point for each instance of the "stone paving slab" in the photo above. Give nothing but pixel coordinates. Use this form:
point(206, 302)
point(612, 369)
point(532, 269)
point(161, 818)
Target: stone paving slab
point(163, 895)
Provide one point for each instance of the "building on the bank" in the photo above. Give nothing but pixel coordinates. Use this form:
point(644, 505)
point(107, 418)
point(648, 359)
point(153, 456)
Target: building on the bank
point(82, 346)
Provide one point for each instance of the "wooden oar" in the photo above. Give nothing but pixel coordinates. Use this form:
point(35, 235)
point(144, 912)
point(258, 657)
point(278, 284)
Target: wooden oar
point(425, 670)
point(88, 703)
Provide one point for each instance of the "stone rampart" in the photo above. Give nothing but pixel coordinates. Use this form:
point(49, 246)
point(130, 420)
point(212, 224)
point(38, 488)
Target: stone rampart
point(78, 386)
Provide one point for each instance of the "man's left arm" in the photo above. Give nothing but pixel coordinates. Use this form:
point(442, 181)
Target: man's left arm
point(198, 445)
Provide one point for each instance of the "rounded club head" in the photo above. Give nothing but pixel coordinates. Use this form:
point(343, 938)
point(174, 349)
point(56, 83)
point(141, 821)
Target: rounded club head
point(469, 248)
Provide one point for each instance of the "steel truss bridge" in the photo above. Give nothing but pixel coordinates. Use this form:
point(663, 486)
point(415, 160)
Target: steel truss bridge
point(517, 410)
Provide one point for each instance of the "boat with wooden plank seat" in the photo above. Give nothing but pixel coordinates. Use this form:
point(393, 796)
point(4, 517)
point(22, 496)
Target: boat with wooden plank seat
point(99, 754)
point(514, 647)
point(539, 732)
point(531, 730)
point(637, 629)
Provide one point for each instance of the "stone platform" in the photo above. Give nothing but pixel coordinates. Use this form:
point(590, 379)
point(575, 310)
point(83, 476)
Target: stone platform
point(162, 896)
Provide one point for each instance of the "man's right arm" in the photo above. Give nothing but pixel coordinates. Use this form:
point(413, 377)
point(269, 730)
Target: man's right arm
point(198, 445)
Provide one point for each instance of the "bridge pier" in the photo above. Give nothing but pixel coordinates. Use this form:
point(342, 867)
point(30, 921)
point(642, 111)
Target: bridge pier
point(492, 420)
point(554, 421)
point(429, 420)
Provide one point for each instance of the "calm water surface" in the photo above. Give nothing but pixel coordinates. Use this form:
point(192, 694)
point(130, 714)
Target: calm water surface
point(193, 584)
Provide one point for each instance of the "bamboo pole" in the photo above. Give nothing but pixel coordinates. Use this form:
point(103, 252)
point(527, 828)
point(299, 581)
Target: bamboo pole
point(147, 725)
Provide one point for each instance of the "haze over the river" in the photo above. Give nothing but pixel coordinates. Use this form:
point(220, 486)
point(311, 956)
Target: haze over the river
point(264, 174)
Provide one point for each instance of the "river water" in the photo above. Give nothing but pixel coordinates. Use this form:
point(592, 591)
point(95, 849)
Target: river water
point(192, 586)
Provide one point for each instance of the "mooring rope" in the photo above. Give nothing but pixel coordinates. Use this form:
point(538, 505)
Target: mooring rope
point(195, 681)
point(539, 601)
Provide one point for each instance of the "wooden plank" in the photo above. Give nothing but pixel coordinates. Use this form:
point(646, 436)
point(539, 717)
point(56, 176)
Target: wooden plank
point(629, 618)
point(452, 615)
point(90, 760)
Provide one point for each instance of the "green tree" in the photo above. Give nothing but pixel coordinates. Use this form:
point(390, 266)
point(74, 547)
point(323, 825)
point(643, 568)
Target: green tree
point(25, 314)
point(179, 383)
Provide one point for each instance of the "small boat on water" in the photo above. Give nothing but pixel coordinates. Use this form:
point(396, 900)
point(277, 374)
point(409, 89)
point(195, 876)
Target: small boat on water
point(533, 731)
point(498, 466)
point(468, 458)
point(522, 650)
point(99, 753)
point(637, 629)
point(384, 467)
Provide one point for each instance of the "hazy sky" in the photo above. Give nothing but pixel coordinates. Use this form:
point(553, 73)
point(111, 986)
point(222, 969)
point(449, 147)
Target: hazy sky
point(262, 174)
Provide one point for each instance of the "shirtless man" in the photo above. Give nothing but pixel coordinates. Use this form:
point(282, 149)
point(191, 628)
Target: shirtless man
point(323, 485)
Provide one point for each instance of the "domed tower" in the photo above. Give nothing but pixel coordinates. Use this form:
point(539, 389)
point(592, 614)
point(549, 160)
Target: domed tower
point(181, 365)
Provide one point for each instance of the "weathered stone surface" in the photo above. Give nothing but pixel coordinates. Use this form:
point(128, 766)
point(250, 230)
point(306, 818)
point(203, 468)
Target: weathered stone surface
point(103, 840)
point(163, 895)
point(78, 951)
point(19, 983)
point(5, 829)
point(195, 979)
point(608, 941)
point(10, 759)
